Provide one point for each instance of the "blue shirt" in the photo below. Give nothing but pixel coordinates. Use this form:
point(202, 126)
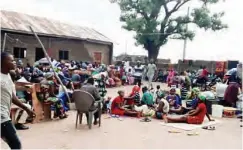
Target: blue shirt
point(194, 103)
point(177, 101)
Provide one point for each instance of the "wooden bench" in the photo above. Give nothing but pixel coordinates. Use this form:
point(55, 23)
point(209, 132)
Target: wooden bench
point(46, 106)
point(37, 105)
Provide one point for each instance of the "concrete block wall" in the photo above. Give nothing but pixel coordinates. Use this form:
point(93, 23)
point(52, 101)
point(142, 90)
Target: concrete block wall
point(78, 50)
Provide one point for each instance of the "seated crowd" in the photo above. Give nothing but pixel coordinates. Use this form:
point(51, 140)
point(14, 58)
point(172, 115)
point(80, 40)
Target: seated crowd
point(94, 78)
point(159, 105)
point(73, 75)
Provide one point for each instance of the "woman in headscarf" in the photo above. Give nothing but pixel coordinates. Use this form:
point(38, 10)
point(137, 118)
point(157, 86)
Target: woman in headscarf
point(48, 96)
point(134, 96)
point(117, 107)
point(195, 116)
point(193, 95)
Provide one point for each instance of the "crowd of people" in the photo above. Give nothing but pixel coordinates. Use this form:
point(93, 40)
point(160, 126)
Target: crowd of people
point(95, 78)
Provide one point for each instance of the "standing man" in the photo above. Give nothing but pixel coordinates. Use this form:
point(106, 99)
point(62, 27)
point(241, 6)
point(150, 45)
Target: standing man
point(145, 69)
point(150, 73)
point(138, 73)
point(8, 131)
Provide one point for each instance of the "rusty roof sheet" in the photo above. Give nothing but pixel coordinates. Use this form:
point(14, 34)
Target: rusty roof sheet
point(19, 22)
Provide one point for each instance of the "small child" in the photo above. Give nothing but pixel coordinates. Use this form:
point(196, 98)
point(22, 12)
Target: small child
point(158, 94)
point(130, 78)
point(106, 107)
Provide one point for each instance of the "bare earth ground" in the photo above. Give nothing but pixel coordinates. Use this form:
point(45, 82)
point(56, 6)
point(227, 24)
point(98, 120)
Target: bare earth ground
point(128, 133)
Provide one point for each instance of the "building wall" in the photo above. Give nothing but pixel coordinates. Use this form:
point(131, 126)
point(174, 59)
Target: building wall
point(78, 50)
point(104, 49)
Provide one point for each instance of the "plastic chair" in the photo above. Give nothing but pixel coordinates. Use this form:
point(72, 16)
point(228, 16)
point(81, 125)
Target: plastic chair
point(83, 102)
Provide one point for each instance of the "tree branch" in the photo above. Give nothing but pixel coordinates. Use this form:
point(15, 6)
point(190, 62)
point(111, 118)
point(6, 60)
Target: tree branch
point(178, 5)
point(165, 7)
point(154, 14)
point(139, 10)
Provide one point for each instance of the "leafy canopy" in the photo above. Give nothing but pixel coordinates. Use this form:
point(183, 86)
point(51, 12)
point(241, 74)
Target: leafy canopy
point(156, 21)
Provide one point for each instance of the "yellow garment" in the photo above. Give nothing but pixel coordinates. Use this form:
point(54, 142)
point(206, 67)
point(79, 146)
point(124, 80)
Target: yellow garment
point(145, 110)
point(149, 113)
point(178, 91)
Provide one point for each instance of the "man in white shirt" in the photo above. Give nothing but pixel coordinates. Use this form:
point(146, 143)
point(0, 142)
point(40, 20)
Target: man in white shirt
point(150, 72)
point(138, 73)
point(8, 132)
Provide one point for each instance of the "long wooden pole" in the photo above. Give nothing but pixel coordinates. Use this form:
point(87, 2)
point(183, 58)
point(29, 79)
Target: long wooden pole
point(185, 40)
point(4, 41)
point(49, 60)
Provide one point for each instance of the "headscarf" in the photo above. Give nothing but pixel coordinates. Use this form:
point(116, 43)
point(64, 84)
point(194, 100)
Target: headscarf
point(173, 90)
point(48, 75)
point(135, 90)
point(202, 97)
point(196, 91)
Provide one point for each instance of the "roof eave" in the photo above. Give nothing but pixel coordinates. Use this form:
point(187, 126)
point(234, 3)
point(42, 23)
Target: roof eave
point(57, 36)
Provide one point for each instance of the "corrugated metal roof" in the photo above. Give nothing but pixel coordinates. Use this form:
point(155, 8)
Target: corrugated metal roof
point(19, 22)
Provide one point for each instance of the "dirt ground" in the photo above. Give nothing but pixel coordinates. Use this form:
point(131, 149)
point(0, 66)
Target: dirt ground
point(128, 133)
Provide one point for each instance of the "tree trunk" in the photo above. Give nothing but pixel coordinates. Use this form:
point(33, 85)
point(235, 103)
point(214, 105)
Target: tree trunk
point(153, 54)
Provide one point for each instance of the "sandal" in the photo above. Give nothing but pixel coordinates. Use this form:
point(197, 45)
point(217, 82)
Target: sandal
point(174, 131)
point(193, 134)
point(145, 120)
point(209, 128)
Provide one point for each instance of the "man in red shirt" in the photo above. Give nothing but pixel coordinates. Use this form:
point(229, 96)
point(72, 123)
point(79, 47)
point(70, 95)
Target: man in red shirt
point(194, 116)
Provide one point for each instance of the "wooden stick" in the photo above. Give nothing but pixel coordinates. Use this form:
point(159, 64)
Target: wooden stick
point(4, 42)
point(49, 60)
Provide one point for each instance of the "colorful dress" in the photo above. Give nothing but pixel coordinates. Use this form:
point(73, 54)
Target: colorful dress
point(45, 96)
point(136, 96)
point(114, 106)
point(170, 78)
point(102, 88)
point(130, 78)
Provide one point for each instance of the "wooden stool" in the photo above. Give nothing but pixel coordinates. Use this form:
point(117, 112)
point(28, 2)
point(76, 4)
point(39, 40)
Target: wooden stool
point(47, 110)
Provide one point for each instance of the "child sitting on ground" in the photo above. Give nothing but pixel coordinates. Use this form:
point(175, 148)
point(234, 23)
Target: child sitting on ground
point(147, 98)
point(162, 109)
point(158, 94)
point(106, 107)
point(194, 116)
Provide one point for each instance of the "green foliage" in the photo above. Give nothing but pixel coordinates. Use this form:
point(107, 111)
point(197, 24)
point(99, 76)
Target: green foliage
point(156, 21)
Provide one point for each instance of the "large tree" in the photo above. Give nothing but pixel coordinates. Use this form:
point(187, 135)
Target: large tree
point(156, 21)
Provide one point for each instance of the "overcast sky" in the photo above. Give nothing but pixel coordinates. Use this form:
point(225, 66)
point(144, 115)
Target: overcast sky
point(104, 17)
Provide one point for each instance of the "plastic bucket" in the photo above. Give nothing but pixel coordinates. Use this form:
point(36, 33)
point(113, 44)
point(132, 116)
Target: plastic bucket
point(217, 111)
point(239, 105)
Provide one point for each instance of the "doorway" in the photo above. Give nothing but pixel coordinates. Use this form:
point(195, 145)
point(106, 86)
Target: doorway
point(39, 53)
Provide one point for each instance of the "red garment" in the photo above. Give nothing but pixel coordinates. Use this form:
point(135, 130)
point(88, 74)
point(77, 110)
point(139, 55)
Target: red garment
point(199, 118)
point(135, 90)
point(231, 92)
point(114, 106)
point(205, 73)
point(122, 72)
